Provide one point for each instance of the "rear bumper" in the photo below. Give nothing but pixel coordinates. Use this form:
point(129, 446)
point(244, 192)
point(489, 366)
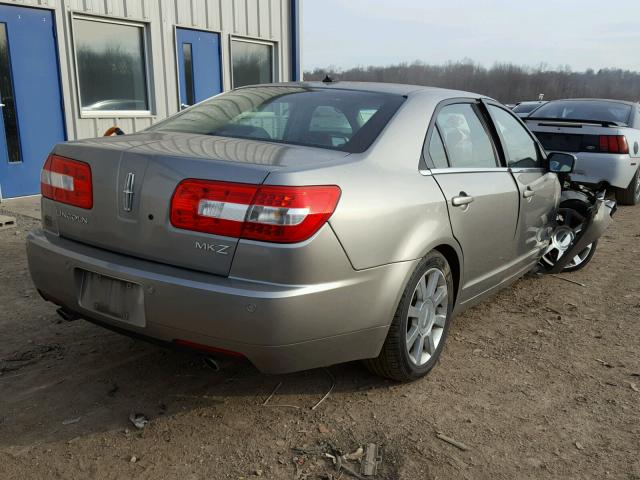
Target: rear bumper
point(278, 327)
point(595, 168)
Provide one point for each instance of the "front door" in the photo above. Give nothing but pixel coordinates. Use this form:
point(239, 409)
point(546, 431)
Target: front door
point(481, 195)
point(199, 65)
point(31, 120)
point(539, 189)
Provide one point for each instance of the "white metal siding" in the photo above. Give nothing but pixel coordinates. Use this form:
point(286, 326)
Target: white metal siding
point(260, 19)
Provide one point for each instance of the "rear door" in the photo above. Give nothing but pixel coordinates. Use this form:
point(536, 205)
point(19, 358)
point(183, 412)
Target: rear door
point(199, 65)
point(481, 194)
point(539, 189)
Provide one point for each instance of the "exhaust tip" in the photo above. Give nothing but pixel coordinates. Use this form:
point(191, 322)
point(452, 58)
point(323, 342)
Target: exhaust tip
point(213, 364)
point(67, 315)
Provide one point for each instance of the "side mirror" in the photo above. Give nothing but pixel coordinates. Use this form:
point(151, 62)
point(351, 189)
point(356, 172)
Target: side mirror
point(561, 162)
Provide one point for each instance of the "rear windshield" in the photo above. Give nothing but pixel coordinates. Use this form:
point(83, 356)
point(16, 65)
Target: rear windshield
point(586, 110)
point(525, 107)
point(345, 120)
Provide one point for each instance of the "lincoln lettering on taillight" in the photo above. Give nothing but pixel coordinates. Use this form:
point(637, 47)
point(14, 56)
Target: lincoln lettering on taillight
point(282, 214)
point(67, 181)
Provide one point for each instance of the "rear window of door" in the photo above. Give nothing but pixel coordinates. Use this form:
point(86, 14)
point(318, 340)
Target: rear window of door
point(521, 149)
point(467, 142)
point(436, 150)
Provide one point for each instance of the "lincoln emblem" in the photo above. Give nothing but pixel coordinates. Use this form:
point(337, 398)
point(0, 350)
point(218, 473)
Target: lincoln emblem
point(128, 192)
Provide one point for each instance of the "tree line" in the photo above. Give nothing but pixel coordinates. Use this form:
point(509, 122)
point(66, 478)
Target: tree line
point(505, 82)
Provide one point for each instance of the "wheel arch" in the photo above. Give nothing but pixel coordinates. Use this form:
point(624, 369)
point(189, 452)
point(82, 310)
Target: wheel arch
point(453, 258)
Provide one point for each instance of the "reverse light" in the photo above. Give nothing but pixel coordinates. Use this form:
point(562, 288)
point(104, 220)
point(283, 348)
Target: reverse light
point(67, 181)
point(280, 214)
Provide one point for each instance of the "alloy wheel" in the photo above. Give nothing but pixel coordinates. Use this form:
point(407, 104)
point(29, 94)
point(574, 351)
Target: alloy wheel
point(570, 224)
point(427, 316)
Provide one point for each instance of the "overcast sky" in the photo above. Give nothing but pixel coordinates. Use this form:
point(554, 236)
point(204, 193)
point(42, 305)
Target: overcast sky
point(579, 33)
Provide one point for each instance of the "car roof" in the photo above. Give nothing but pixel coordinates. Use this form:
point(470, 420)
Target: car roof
point(378, 87)
point(625, 102)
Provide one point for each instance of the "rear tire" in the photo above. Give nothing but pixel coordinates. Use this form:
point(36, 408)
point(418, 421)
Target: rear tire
point(631, 194)
point(423, 315)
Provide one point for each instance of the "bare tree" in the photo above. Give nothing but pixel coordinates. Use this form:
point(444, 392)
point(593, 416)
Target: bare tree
point(504, 81)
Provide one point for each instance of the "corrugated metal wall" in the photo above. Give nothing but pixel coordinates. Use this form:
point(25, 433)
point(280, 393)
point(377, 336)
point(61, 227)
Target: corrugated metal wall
point(267, 20)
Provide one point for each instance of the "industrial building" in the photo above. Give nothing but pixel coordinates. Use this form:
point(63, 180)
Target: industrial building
point(71, 69)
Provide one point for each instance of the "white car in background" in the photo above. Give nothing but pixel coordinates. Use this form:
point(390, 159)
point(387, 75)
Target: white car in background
point(603, 134)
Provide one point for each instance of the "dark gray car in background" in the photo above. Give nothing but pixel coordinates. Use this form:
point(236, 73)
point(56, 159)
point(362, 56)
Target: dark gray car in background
point(306, 224)
point(524, 109)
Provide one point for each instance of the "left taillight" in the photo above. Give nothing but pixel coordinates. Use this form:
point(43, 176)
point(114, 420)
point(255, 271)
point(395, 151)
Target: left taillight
point(279, 214)
point(67, 181)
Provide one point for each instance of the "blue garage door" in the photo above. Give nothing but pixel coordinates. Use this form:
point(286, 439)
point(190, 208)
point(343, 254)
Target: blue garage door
point(199, 65)
point(31, 119)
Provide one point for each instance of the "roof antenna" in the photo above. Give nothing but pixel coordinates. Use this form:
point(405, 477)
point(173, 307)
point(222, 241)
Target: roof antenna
point(327, 79)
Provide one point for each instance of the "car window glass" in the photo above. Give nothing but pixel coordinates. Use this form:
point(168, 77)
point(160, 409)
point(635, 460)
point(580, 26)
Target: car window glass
point(601, 110)
point(520, 148)
point(344, 120)
point(330, 125)
point(468, 143)
point(364, 115)
point(436, 151)
point(525, 107)
point(272, 119)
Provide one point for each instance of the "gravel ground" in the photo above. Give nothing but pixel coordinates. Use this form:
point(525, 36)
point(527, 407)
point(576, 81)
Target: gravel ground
point(541, 381)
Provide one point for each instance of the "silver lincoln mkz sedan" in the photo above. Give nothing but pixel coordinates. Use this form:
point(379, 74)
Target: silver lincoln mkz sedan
point(308, 224)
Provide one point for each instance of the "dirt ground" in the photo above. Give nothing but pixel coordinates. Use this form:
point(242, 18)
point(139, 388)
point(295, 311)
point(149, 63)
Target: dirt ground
point(542, 381)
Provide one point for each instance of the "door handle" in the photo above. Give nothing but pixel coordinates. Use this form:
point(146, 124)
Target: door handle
point(462, 199)
point(528, 192)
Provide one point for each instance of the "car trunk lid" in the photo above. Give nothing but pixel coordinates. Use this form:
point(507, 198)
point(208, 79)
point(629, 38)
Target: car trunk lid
point(133, 182)
point(575, 135)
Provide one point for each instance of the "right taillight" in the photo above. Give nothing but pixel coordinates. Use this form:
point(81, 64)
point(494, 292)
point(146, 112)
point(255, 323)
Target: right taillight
point(269, 213)
point(613, 144)
point(67, 181)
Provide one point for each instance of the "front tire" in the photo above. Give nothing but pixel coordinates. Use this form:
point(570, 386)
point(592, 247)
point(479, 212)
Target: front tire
point(631, 194)
point(572, 218)
point(420, 325)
